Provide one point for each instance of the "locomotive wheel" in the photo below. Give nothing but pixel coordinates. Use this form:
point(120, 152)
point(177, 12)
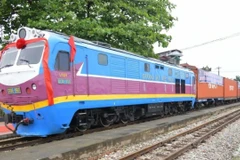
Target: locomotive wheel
point(81, 128)
point(124, 119)
point(106, 120)
point(82, 121)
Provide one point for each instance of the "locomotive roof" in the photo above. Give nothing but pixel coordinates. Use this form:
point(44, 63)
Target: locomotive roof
point(108, 47)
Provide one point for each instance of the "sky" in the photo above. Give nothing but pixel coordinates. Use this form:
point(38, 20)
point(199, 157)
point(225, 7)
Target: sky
point(201, 21)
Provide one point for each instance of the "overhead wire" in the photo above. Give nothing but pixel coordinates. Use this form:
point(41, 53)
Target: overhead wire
point(212, 41)
point(226, 71)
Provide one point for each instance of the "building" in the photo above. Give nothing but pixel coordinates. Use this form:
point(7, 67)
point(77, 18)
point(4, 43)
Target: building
point(171, 56)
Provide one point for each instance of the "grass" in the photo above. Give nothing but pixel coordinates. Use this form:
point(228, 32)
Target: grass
point(1, 113)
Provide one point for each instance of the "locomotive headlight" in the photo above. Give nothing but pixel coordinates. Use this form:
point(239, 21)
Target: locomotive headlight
point(34, 32)
point(28, 33)
point(34, 86)
point(22, 33)
point(13, 37)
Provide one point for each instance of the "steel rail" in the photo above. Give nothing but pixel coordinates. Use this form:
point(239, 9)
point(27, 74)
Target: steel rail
point(199, 140)
point(17, 142)
point(232, 116)
point(10, 143)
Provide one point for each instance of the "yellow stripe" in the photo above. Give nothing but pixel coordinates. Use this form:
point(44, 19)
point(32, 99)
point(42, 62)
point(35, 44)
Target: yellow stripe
point(72, 98)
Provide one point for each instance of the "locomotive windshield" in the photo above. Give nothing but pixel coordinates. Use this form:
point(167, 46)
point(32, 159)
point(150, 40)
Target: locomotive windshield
point(8, 57)
point(31, 54)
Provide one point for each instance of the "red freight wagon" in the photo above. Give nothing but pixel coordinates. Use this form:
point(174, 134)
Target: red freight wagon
point(230, 89)
point(209, 86)
point(238, 90)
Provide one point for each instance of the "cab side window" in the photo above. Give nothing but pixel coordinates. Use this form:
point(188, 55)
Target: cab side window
point(146, 67)
point(102, 59)
point(62, 62)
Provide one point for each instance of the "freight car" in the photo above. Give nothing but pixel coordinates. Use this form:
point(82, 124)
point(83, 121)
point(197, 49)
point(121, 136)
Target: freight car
point(213, 89)
point(238, 83)
point(51, 82)
point(230, 90)
point(209, 87)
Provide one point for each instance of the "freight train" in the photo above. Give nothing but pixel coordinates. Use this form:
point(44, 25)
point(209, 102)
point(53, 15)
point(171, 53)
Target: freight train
point(212, 89)
point(51, 83)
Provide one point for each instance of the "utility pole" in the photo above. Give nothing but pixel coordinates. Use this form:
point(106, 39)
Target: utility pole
point(218, 68)
point(1, 33)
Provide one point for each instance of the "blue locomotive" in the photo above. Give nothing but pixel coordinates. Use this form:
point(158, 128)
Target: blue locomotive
point(51, 82)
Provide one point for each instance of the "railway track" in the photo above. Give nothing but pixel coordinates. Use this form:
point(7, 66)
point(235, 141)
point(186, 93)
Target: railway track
point(15, 142)
point(8, 136)
point(175, 146)
point(21, 142)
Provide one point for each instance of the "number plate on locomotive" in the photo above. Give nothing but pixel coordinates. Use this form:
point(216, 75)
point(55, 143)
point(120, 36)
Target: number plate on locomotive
point(15, 90)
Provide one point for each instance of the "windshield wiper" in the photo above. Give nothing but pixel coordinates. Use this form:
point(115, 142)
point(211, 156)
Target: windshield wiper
point(27, 61)
point(5, 66)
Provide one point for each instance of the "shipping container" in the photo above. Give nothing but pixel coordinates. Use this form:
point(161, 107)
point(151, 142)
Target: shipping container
point(230, 89)
point(238, 90)
point(209, 86)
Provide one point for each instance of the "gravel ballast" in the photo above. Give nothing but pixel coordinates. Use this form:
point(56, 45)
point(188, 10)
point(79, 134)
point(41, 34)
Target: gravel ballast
point(220, 147)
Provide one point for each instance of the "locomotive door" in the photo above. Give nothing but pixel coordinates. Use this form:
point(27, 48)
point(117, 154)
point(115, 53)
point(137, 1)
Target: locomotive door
point(193, 86)
point(62, 77)
point(157, 77)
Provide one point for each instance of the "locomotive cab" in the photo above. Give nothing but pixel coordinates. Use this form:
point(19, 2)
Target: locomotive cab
point(21, 78)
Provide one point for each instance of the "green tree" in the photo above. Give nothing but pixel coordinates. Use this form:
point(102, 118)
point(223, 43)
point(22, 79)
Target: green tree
point(131, 25)
point(237, 78)
point(207, 69)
